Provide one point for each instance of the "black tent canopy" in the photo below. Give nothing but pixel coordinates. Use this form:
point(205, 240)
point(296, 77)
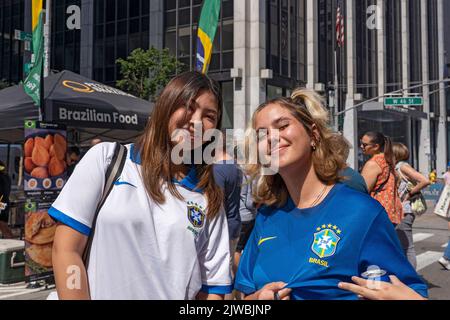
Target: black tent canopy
point(89, 109)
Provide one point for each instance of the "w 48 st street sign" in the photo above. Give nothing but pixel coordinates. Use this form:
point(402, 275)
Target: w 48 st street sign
point(403, 101)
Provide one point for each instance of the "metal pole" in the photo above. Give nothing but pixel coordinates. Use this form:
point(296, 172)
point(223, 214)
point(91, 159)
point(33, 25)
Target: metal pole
point(336, 92)
point(47, 38)
point(391, 93)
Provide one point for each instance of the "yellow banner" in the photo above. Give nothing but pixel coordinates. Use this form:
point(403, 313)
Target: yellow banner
point(37, 9)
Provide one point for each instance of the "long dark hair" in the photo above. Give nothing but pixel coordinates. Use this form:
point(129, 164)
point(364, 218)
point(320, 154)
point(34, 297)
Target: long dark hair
point(385, 144)
point(155, 147)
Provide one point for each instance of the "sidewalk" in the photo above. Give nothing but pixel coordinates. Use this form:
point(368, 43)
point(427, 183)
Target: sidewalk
point(19, 291)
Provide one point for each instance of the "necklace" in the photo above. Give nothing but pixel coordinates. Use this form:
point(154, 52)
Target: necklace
point(319, 197)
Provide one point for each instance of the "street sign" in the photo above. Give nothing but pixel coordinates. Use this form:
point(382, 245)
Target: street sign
point(379, 106)
point(404, 101)
point(22, 35)
point(27, 46)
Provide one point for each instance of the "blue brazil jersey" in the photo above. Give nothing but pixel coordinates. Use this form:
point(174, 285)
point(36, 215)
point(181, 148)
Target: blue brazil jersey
point(314, 249)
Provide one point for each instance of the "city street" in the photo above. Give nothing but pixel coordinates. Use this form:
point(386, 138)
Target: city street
point(430, 237)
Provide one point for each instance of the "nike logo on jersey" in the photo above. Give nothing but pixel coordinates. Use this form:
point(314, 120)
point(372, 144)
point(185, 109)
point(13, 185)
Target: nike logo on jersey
point(119, 183)
point(262, 240)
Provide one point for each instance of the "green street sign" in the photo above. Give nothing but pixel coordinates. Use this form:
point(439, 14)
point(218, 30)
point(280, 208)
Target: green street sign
point(404, 101)
point(23, 36)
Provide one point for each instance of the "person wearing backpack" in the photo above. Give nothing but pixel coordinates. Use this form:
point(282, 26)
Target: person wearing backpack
point(162, 233)
point(411, 184)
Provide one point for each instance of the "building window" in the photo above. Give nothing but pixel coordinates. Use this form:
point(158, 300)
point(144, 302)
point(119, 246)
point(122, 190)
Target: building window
point(393, 46)
point(126, 28)
point(181, 19)
point(286, 39)
point(366, 52)
point(228, 105)
point(11, 50)
point(65, 53)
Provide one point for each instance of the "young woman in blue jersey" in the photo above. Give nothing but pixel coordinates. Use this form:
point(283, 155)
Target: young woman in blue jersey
point(312, 232)
point(162, 232)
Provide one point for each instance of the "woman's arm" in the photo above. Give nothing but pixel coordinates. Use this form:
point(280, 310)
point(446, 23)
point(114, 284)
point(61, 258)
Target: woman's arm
point(70, 273)
point(370, 173)
point(269, 291)
point(209, 296)
point(374, 290)
point(413, 175)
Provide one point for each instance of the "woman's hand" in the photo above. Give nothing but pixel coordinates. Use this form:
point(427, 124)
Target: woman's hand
point(273, 291)
point(379, 290)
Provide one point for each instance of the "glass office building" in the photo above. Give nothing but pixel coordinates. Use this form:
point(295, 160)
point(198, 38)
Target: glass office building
point(263, 49)
point(11, 50)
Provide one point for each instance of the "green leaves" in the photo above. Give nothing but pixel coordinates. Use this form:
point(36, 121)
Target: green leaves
point(146, 72)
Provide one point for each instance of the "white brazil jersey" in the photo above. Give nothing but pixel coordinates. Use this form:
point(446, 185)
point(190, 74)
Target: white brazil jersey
point(142, 250)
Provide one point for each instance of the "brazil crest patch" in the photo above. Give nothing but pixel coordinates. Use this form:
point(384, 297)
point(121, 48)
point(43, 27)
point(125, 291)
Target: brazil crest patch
point(196, 214)
point(326, 241)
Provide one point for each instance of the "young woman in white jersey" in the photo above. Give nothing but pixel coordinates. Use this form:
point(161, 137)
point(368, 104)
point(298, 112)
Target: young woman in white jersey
point(162, 232)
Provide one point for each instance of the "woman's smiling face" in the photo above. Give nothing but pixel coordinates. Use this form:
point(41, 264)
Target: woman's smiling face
point(194, 120)
point(281, 135)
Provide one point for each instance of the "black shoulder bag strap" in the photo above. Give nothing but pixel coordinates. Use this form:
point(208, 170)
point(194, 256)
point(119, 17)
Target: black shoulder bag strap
point(111, 176)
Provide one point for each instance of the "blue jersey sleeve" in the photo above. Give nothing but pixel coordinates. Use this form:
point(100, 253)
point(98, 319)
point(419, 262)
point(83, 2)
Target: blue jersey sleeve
point(244, 277)
point(382, 248)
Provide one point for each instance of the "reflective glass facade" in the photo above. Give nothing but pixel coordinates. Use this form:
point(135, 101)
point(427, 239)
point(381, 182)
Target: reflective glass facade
point(285, 45)
point(11, 50)
point(181, 19)
point(120, 26)
point(180, 33)
point(65, 53)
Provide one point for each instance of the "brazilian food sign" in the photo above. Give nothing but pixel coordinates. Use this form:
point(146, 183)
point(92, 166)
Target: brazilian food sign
point(39, 235)
point(44, 158)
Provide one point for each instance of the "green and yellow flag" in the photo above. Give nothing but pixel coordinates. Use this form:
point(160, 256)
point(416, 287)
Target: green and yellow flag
point(32, 85)
point(207, 28)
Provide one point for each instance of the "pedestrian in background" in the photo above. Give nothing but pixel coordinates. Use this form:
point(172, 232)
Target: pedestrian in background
point(411, 184)
point(446, 175)
point(247, 212)
point(162, 233)
point(433, 176)
point(445, 260)
point(229, 178)
point(72, 159)
point(379, 174)
point(5, 190)
point(351, 178)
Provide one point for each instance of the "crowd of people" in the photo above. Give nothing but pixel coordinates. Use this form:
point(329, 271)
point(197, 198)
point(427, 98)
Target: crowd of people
point(312, 230)
point(315, 229)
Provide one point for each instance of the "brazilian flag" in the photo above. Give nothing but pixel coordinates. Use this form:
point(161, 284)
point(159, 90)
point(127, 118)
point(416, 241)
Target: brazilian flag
point(207, 28)
point(32, 84)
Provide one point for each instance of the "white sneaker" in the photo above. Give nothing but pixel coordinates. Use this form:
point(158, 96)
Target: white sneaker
point(445, 263)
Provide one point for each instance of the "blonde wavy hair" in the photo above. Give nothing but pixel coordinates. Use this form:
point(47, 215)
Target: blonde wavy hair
point(309, 109)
